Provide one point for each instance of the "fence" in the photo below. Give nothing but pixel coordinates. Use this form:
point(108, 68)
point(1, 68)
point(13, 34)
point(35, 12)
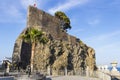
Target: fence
point(43, 73)
point(104, 76)
point(70, 73)
point(21, 75)
point(55, 72)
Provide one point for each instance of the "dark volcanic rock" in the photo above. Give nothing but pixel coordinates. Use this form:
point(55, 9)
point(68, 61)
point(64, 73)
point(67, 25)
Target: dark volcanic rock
point(62, 49)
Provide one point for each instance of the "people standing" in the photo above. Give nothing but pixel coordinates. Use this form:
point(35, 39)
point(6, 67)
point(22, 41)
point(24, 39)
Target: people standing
point(29, 70)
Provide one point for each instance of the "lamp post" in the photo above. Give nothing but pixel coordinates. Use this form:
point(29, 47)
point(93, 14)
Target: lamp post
point(114, 65)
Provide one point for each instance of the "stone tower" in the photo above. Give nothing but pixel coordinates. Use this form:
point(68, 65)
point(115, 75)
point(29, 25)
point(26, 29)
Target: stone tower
point(62, 50)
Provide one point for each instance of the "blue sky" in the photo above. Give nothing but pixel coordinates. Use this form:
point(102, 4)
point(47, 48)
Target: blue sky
point(95, 22)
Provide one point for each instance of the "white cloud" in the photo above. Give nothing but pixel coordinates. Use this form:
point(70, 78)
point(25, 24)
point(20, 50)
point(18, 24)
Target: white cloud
point(26, 3)
point(94, 22)
point(67, 5)
point(76, 31)
point(14, 11)
point(109, 48)
point(11, 14)
point(106, 46)
point(108, 52)
point(103, 37)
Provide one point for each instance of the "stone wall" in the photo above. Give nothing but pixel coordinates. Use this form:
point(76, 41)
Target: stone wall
point(45, 21)
point(62, 49)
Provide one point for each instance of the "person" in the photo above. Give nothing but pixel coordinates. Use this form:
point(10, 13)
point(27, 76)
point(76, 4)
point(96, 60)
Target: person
point(29, 71)
point(5, 65)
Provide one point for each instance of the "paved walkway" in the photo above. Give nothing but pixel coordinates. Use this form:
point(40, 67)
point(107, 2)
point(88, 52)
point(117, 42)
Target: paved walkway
point(24, 77)
point(7, 78)
point(32, 77)
point(71, 78)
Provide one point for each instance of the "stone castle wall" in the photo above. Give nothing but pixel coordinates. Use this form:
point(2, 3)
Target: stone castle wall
point(46, 22)
point(63, 50)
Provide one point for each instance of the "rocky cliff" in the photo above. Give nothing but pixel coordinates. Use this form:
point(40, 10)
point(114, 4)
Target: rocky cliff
point(62, 49)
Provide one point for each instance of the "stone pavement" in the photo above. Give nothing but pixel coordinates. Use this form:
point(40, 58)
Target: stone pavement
point(7, 78)
point(24, 77)
point(32, 77)
point(71, 78)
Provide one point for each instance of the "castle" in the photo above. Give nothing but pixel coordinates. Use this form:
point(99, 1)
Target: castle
point(62, 50)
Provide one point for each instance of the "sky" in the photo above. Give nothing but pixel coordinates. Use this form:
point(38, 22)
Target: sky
point(95, 22)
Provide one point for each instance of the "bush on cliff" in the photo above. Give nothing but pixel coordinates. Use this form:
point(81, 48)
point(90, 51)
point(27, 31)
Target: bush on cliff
point(64, 19)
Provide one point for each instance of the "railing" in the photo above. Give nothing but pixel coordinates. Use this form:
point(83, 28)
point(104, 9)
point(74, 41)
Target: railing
point(43, 73)
point(22, 75)
point(84, 73)
point(12, 73)
point(103, 76)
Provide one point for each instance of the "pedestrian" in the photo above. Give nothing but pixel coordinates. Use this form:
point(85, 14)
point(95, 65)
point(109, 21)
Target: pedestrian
point(5, 65)
point(29, 71)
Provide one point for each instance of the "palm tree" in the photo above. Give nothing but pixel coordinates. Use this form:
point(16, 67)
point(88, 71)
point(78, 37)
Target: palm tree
point(33, 36)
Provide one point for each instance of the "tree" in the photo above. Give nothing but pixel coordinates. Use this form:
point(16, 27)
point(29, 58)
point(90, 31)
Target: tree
point(33, 36)
point(65, 20)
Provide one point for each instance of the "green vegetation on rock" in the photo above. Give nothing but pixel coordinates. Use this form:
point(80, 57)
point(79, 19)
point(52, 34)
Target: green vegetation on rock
point(65, 20)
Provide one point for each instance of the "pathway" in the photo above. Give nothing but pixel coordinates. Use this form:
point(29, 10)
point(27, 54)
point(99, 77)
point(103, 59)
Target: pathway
point(71, 78)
